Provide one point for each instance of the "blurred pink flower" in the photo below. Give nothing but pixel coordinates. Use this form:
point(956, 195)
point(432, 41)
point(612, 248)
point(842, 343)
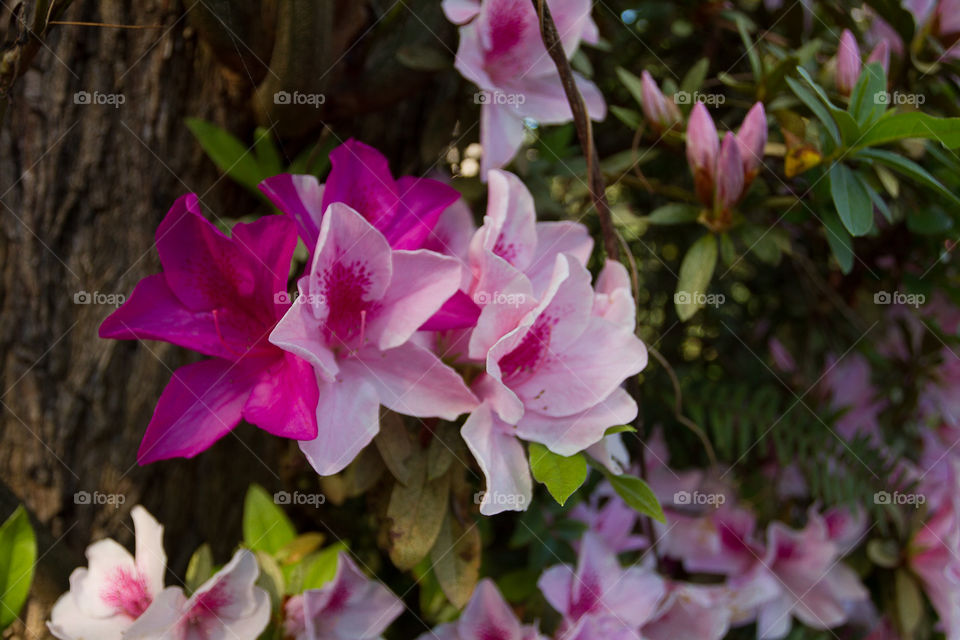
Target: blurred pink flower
point(228, 605)
point(486, 617)
point(501, 51)
point(115, 588)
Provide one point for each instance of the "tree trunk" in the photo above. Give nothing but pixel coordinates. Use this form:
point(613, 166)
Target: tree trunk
point(83, 187)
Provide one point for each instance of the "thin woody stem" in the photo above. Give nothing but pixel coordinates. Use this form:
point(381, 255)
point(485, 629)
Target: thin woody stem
point(551, 39)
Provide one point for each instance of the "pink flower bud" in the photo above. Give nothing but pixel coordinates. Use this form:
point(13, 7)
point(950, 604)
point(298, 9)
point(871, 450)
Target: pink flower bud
point(881, 54)
point(948, 17)
point(703, 147)
point(752, 137)
point(729, 173)
point(659, 111)
point(848, 63)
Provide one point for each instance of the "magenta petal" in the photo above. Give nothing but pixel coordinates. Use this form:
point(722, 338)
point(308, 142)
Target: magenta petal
point(202, 402)
point(488, 616)
point(360, 177)
point(269, 243)
point(284, 401)
point(203, 268)
point(153, 313)
point(422, 201)
point(301, 197)
point(459, 312)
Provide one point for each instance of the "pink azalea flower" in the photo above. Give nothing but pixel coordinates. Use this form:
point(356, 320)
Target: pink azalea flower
point(115, 588)
point(351, 607)
point(359, 305)
point(228, 605)
point(690, 612)
point(817, 588)
point(553, 377)
point(933, 557)
point(849, 389)
point(501, 51)
point(220, 296)
point(752, 138)
point(848, 62)
point(486, 617)
point(599, 588)
point(703, 149)
point(404, 210)
point(613, 521)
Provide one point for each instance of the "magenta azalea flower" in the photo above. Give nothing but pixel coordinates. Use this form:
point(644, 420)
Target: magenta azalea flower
point(359, 305)
point(404, 210)
point(228, 605)
point(501, 51)
point(351, 607)
point(115, 588)
point(486, 617)
point(220, 296)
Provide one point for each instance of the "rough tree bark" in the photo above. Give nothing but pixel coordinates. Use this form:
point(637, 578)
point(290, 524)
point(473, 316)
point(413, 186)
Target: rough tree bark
point(82, 189)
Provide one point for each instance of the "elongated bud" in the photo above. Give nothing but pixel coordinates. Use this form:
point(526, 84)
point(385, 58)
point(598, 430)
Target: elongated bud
point(729, 173)
point(848, 63)
point(703, 147)
point(752, 137)
point(948, 17)
point(661, 112)
point(881, 54)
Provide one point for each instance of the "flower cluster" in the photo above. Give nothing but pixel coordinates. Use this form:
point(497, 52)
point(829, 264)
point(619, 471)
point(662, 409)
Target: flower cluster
point(399, 283)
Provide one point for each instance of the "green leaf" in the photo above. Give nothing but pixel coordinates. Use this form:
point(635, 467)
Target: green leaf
point(673, 213)
point(694, 78)
point(818, 109)
point(839, 240)
point(866, 103)
point(895, 126)
point(629, 117)
point(851, 200)
point(200, 567)
point(696, 271)
point(637, 495)
point(229, 154)
point(929, 221)
point(623, 428)
point(18, 554)
point(268, 155)
point(909, 602)
point(265, 526)
point(321, 567)
point(909, 168)
point(300, 547)
point(756, 65)
point(271, 578)
point(633, 84)
point(562, 475)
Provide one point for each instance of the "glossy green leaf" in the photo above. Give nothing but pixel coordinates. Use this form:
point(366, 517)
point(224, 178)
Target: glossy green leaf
point(265, 526)
point(638, 495)
point(851, 199)
point(895, 126)
point(673, 213)
point(18, 554)
point(562, 475)
point(910, 169)
point(696, 271)
point(227, 152)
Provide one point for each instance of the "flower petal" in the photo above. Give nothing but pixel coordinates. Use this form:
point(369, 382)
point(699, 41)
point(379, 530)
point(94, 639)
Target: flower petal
point(570, 434)
point(502, 461)
point(284, 401)
point(360, 178)
point(301, 197)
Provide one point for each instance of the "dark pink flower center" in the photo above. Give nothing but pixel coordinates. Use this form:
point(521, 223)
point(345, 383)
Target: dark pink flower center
point(344, 287)
point(127, 592)
point(531, 351)
point(586, 598)
point(504, 249)
point(205, 612)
